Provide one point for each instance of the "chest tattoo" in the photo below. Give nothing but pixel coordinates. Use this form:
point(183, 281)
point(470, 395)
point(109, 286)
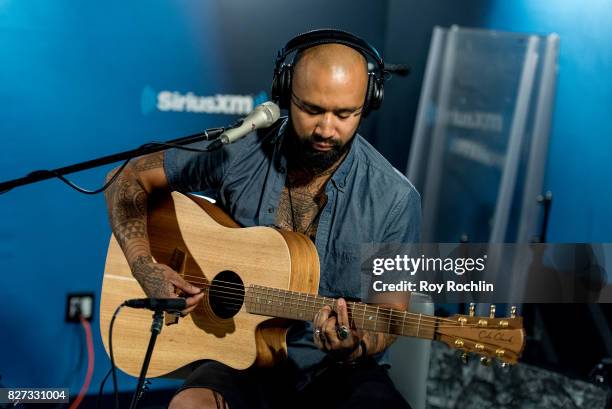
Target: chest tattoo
point(300, 209)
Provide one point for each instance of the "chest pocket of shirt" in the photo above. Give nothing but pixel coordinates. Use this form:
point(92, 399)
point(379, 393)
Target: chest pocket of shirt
point(342, 271)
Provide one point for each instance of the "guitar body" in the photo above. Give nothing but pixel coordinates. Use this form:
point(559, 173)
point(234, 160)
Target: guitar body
point(204, 245)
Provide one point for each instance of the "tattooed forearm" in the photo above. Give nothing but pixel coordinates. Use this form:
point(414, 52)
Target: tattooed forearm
point(127, 199)
point(127, 202)
point(150, 277)
point(127, 207)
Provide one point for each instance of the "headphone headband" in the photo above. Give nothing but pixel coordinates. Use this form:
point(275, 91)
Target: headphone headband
point(330, 36)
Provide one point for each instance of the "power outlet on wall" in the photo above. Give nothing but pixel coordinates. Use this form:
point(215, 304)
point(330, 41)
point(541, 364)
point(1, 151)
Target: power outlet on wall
point(78, 304)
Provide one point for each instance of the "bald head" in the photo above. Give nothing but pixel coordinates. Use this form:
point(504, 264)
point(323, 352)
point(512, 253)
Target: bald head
point(331, 68)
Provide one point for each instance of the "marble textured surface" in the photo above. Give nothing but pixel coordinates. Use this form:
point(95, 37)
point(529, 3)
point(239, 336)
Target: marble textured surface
point(453, 385)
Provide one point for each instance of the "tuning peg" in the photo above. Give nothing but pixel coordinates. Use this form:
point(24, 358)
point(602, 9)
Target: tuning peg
point(464, 358)
point(492, 311)
point(513, 311)
point(472, 309)
point(485, 361)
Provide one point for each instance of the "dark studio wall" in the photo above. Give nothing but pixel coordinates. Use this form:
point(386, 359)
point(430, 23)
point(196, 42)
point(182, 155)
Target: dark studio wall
point(409, 28)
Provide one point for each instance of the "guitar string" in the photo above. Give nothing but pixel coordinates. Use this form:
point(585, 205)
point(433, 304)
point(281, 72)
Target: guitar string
point(383, 313)
point(396, 322)
point(238, 287)
point(379, 326)
point(392, 318)
point(234, 286)
point(395, 317)
point(403, 332)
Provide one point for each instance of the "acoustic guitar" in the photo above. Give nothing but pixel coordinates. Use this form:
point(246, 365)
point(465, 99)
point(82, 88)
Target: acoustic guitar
point(256, 280)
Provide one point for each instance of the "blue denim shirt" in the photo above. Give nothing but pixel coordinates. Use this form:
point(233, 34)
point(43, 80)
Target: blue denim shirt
point(369, 201)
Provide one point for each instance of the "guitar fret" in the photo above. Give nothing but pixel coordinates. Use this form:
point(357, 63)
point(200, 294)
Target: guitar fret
point(299, 308)
point(419, 324)
point(279, 306)
point(253, 298)
point(376, 319)
point(260, 300)
point(363, 319)
point(404, 323)
point(307, 306)
point(276, 292)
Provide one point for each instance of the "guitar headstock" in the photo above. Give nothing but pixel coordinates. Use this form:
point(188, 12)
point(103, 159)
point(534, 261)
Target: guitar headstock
point(489, 337)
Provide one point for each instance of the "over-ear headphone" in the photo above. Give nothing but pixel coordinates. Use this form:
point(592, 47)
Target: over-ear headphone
point(281, 82)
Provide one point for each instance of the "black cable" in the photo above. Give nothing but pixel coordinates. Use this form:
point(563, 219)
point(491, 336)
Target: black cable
point(99, 401)
point(79, 189)
point(112, 356)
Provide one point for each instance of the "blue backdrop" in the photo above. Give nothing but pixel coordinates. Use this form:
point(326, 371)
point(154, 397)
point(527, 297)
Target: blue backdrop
point(579, 168)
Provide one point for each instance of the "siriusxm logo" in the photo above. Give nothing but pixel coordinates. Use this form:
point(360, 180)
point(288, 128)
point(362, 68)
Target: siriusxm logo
point(174, 101)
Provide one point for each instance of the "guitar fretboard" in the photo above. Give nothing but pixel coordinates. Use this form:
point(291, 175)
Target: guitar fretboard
point(280, 303)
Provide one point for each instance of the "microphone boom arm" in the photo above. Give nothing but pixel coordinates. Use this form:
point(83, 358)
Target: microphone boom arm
point(41, 175)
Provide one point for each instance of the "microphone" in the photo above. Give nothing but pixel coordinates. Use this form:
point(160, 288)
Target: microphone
point(158, 304)
point(262, 116)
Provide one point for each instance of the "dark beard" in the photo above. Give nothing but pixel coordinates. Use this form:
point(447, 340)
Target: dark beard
point(301, 153)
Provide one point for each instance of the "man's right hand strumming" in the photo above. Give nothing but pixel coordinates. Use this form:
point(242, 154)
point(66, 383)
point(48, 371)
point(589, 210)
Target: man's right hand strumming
point(127, 200)
point(160, 281)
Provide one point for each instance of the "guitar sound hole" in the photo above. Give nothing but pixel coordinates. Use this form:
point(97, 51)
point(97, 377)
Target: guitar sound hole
point(226, 294)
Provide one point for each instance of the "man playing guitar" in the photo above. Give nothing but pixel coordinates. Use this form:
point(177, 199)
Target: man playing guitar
point(310, 173)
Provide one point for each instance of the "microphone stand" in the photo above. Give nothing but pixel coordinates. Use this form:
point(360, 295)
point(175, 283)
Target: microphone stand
point(156, 327)
point(38, 176)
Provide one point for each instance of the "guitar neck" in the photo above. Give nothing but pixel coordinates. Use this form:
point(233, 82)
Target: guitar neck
point(300, 306)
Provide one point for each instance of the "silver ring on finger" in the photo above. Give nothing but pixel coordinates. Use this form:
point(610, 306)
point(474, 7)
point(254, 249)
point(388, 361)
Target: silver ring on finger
point(343, 332)
point(322, 336)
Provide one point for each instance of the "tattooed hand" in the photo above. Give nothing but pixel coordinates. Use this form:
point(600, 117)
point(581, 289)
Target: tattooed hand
point(326, 324)
point(160, 281)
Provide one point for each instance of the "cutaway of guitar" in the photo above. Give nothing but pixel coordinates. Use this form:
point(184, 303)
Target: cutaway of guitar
point(255, 281)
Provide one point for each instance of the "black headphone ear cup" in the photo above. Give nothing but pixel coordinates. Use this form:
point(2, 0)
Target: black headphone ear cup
point(285, 91)
point(378, 92)
point(370, 94)
point(281, 86)
point(275, 88)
